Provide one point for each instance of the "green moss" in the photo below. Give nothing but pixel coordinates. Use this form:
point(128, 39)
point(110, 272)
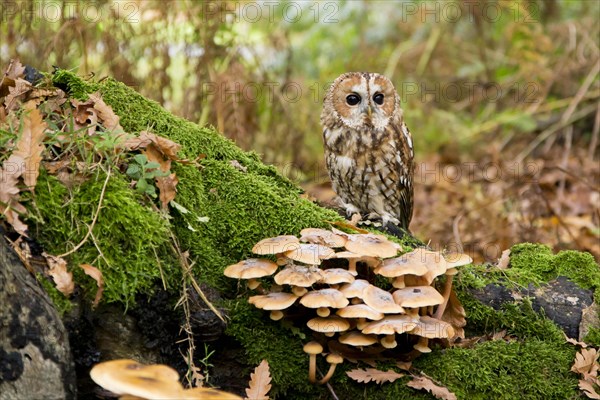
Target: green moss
point(593, 337)
point(62, 304)
point(72, 84)
point(126, 238)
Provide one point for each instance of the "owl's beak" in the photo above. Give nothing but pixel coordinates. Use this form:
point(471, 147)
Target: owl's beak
point(369, 111)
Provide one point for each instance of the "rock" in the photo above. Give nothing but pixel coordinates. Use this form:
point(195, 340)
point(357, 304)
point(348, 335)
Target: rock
point(561, 300)
point(35, 358)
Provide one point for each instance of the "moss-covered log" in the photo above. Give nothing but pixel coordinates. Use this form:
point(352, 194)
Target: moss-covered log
point(243, 205)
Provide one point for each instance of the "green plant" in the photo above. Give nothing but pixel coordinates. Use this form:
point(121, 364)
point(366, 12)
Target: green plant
point(144, 171)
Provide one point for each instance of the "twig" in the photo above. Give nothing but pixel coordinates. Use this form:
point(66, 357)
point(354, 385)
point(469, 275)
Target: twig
point(595, 134)
point(329, 387)
point(91, 227)
point(565, 162)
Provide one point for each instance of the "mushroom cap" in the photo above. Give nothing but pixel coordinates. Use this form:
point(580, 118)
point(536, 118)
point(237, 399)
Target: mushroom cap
point(202, 393)
point(360, 311)
point(298, 275)
point(431, 328)
point(273, 301)
point(391, 324)
point(324, 298)
point(329, 324)
point(355, 289)
point(371, 245)
point(380, 300)
point(310, 253)
point(323, 237)
point(333, 276)
point(133, 378)
point(355, 338)
point(313, 348)
point(251, 268)
point(436, 264)
point(417, 296)
point(398, 266)
point(454, 260)
point(276, 245)
point(334, 358)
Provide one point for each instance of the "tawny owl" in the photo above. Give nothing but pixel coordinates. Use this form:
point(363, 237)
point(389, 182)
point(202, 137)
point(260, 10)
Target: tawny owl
point(368, 148)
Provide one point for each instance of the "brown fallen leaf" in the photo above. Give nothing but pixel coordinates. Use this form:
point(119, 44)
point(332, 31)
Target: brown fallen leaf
point(586, 363)
point(11, 170)
point(14, 71)
point(95, 274)
point(499, 335)
point(455, 315)
point(165, 146)
point(424, 382)
point(106, 115)
point(575, 342)
point(504, 259)
point(57, 269)
point(404, 365)
point(16, 94)
point(589, 388)
point(260, 382)
point(29, 146)
point(375, 375)
point(166, 184)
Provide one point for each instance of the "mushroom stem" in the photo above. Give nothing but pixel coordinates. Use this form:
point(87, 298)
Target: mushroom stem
point(352, 266)
point(323, 312)
point(446, 294)
point(312, 368)
point(422, 345)
point(328, 375)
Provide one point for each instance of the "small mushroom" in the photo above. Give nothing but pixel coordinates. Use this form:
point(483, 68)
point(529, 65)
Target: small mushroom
point(132, 378)
point(312, 349)
point(276, 245)
point(362, 312)
point(298, 275)
point(380, 300)
point(454, 260)
point(354, 289)
point(389, 326)
point(251, 269)
point(354, 258)
point(323, 237)
point(329, 325)
point(333, 360)
point(371, 245)
point(274, 302)
point(322, 299)
point(357, 339)
point(310, 253)
point(430, 328)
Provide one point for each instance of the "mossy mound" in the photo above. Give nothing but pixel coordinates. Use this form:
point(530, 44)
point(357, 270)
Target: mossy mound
point(246, 204)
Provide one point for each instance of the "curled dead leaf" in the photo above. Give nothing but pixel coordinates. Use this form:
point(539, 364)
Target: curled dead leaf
point(424, 382)
point(95, 274)
point(57, 269)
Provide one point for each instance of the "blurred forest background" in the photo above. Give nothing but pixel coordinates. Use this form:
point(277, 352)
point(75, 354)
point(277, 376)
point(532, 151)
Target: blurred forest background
point(502, 97)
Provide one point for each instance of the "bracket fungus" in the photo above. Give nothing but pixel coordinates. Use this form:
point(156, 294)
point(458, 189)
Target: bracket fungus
point(274, 302)
point(251, 269)
point(323, 299)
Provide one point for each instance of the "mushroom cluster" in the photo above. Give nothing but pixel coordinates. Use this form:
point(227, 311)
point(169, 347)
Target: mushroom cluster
point(132, 380)
point(331, 274)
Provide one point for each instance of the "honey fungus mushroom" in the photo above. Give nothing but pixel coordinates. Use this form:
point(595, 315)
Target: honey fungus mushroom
point(333, 360)
point(453, 261)
point(329, 325)
point(276, 245)
point(251, 269)
point(354, 259)
point(361, 312)
point(274, 302)
point(397, 268)
point(298, 277)
point(355, 290)
point(433, 260)
point(414, 297)
point(430, 328)
point(323, 299)
point(389, 326)
point(322, 237)
point(380, 300)
point(311, 254)
point(372, 245)
point(357, 339)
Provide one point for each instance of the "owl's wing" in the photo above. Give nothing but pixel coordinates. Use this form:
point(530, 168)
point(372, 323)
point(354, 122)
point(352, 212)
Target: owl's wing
point(405, 170)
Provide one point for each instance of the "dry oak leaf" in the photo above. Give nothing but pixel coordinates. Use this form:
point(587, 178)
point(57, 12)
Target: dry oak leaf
point(375, 375)
point(57, 269)
point(16, 94)
point(589, 389)
point(586, 363)
point(167, 147)
point(260, 382)
point(14, 71)
point(166, 184)
point(504, 259)
point(425, 383)
point(575, 342)
point(95, 274)
point(10, 172)
point(29, 146)
point(106, 115)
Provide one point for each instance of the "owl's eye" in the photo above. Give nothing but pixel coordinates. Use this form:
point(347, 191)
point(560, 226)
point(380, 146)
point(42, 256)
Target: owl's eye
point(378, 98)
point(353, 99)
